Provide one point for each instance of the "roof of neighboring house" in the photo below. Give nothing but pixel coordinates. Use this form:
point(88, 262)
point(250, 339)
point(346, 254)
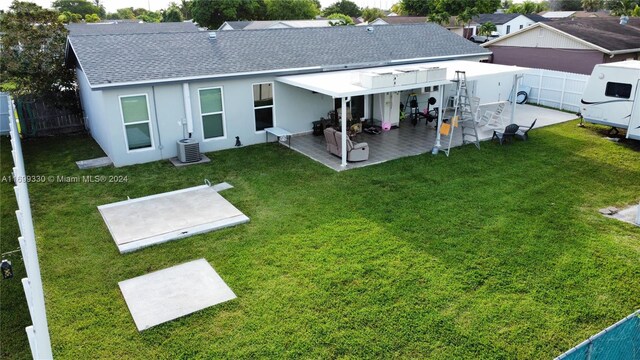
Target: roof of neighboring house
point(236, 25)
point(121, 57)
point(404, 19)
point(117, 27)
point(593, 14)
point(604, 32)
point(496, 19)
point(601, 33)
point(558, 14)
point(268, 24)
point(536, 17)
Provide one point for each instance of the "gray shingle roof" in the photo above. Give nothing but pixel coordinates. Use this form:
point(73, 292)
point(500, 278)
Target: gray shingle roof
point(117, 27)
point(237, 25)
point(112, 57)
point(604, 32)
point(496, 19)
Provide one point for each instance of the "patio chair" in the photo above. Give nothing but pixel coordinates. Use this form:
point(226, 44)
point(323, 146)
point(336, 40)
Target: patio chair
point(508, 133)
point(355, 152)
point(493, 119)
point(522, 133)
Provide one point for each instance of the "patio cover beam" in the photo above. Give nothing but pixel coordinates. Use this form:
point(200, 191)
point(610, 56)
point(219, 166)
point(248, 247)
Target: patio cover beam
point(338, 84)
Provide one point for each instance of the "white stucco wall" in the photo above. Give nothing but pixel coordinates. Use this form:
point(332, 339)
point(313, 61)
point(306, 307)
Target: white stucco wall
point(95, 119)
point(514, 25)
point(294, 110)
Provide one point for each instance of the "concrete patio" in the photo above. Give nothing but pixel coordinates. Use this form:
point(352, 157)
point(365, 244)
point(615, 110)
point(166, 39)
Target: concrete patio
point(408, 140)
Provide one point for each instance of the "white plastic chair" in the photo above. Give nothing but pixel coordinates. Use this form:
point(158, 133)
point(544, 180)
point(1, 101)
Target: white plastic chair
point(493, 119)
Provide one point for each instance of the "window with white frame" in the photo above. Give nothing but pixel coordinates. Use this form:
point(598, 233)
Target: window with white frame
point(212, 112)
point(137, 123)
point(263, 105)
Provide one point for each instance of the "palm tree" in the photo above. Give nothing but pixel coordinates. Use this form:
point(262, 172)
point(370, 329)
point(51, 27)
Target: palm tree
point(466, 17)
point(487, 28)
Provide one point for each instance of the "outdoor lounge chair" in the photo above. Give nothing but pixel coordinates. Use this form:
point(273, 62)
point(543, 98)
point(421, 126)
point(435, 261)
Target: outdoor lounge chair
point(508, 133)
point(355, 152)
point(493, 119)
point(523, 132)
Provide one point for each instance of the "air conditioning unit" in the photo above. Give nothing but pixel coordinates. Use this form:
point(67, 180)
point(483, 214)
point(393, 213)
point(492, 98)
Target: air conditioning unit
point(188, 150)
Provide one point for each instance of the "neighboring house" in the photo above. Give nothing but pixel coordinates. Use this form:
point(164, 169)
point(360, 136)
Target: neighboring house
point(453, 25)
point(399, 20)
point(507, 23)
point(575, 45)
point(273, 24)
point(559, 15)
point(143, 87)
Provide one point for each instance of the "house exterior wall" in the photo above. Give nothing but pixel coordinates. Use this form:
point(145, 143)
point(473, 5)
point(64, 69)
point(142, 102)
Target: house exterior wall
point(514, 25)
point(93, 106)
point(575, 61)
point(294, 110)
point(541, 37)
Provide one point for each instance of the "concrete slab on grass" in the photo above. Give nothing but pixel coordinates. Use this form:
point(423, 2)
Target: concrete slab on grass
point(168, 294)
point(177, 163)
point(94, 163)
point(155, 219)
point(628, 215)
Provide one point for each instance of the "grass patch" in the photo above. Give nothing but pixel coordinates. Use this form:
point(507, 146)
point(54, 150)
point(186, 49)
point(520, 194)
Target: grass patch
point(497, 253)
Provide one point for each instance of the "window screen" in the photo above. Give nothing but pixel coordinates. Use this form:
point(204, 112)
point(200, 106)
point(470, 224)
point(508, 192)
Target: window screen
point(212, 110)
point(263, 105)
point(137, 125)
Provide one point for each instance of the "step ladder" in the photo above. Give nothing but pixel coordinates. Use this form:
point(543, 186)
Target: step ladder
point(463, 116)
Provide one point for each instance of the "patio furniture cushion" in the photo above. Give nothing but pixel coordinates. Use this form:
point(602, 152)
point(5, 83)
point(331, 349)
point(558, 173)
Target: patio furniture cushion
point(355, 152)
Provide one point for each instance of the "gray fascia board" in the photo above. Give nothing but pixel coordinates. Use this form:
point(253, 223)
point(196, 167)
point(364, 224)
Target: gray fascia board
point(78, 60)
point(281, 72)
point(625, 51)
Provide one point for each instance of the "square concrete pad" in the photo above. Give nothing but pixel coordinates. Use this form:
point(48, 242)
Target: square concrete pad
point(150, 220)
point(168, 294)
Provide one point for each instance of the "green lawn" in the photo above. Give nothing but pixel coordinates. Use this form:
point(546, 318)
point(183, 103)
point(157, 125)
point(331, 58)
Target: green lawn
point(498, 253)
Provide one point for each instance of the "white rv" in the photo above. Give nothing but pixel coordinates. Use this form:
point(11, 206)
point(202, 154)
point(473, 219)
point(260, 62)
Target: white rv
point(612, 96)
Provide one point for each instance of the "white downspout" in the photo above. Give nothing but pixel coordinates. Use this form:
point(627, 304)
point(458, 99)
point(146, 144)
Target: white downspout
point(343, 114)
point(187, 108)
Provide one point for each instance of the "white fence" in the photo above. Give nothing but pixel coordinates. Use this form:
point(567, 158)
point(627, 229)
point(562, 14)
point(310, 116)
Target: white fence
point(38, 333)
point(556, 89)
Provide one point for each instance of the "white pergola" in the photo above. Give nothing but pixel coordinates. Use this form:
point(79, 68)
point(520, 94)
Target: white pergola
point(341, 84)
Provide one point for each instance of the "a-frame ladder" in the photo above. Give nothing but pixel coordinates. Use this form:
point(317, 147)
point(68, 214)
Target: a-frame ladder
point(463, 116)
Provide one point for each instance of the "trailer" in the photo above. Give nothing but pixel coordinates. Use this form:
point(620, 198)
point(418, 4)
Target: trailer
point(612, 97)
